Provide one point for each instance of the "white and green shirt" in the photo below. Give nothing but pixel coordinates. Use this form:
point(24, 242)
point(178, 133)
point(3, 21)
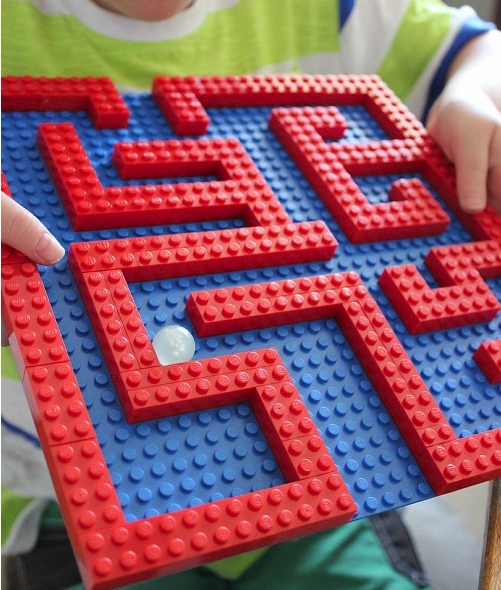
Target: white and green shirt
point(408, 42)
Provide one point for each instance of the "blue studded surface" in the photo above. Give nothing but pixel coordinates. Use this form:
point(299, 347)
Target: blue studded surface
point(163, 465)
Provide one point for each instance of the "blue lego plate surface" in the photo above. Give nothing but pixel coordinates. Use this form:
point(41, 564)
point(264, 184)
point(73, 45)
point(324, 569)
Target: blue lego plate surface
point(172, 463)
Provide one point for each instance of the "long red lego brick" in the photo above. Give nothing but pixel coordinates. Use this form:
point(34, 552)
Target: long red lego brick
point(98, 96)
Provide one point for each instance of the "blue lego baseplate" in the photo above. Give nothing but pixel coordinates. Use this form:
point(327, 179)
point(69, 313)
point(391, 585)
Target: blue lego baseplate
point(167, 464)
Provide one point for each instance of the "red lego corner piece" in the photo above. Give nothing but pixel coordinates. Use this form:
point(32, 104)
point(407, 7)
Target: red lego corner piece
point(84, 488)
point(423, 309)
point(465, 263)
point(464, 297)
point(98, 96)
point(474, 459)
point(29, 320)
point(164, 544)
point(488, 357)
point(57, 405)
point(182, 100)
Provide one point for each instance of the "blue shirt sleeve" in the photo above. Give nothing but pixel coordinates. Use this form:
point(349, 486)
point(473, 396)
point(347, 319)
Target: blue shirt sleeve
point(345, 8)
point(471, 28)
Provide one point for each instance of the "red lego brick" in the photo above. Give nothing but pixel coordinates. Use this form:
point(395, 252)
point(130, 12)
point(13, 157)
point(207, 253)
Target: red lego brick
point(198, 253)
point(290, 430)
point(474, 460)
point(212, 368)
point(460, 263)
point(182, 100)
point(98, 96)
point(71, 170)
point(183, 111)
point(109, 325)
point(488, 357)
point(254, 306)
point(307, 456)
point(485, 225)
point(84, 488)
point(135, 332)
point(56, 404)
point(167, 543)
point(280, 410)
point(5, 185)
point(158, 392)
point(12, 256)
point(464, 297)
point(412, 210)
point(33, 332)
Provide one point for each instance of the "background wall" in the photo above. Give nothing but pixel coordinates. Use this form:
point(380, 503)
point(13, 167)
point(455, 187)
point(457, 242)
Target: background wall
point(485, 8)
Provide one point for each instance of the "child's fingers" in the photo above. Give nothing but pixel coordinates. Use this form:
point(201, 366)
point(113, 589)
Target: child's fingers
point(476, 153)
point(467, 125)
point(24, 232)
point(471, 159)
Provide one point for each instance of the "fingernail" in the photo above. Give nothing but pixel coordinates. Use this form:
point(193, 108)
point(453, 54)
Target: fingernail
point(472, 202)
point(49, 249)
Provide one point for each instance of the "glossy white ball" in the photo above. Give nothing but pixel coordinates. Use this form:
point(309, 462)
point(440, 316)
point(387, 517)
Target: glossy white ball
point(174, 344)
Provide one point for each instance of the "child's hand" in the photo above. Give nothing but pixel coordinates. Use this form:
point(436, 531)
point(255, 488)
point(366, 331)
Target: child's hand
point(24, 232)
point(467, 125)
point(466, 122)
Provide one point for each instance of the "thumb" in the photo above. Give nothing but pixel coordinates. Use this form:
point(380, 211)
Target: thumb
point(24, 232)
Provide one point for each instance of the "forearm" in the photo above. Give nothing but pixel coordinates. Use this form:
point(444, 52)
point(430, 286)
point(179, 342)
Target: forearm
point(478, 65)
